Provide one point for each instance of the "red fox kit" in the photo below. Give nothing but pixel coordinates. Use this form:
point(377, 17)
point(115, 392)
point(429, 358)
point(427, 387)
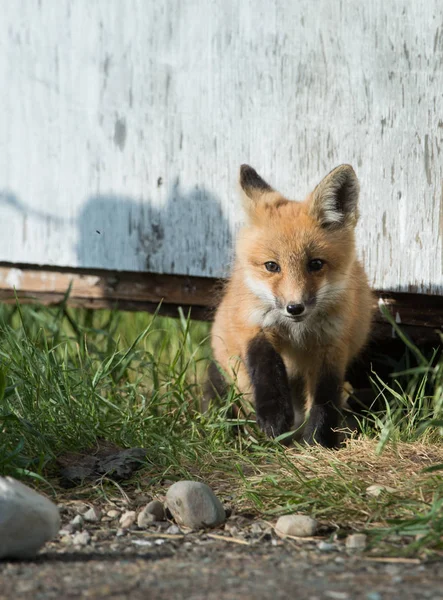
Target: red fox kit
point(297, 308)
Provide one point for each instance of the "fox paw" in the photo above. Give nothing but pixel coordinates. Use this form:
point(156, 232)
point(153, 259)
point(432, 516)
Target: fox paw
point(277, 423)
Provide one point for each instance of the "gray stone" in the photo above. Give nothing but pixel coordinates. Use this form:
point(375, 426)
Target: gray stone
point(93, 515)
point(128, 519)
point(77, 523)
point(81, 538)
point(173, 530)
point(157, 509)
point(194, 505)
point(296, 525)
point(27, 519)
point(145, 519)
point(326, 546)
point(356, 541)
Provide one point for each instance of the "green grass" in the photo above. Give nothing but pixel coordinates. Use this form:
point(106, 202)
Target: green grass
point(69, 378)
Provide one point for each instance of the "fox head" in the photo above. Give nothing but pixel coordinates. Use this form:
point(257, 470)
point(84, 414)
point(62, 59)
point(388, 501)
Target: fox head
point(296, 257)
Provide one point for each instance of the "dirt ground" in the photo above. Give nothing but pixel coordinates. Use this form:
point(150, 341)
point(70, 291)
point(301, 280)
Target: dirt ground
point(147, 564)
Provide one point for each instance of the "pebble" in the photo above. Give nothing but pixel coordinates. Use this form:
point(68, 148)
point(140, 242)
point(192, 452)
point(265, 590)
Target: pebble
point(373, 596)
point(128, 519)
point(336, 595)
point(356, 541)
point(173, 530)
point(326, 546)
point(145, 519)
point(28, 519)
point(296, 525)
point(157, 509)
point(113, 514)
point(81, 507)
point(256, 529)
point(82, 538)
point(142, 542)
point(77, 522)
point(93, 515)
point(375, 490)
point(194, 505)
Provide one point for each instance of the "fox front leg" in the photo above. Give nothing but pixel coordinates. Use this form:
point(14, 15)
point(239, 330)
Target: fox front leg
point(324, 415)
point(272, 396)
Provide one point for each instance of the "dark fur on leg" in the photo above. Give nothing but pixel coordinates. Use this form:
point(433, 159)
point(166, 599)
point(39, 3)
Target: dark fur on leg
point(324, 415)
point(273, 405)
point(215, 386)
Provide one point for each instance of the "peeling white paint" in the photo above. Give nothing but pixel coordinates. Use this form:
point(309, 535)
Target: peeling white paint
point(123, 125)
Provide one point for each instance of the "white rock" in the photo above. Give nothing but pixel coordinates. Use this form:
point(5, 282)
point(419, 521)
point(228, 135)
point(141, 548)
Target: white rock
point(81, 538)
point(296, 525)
point(173, 530)
point(27, 519)
point(326, 546)
point(145, 519)
point(128, 519)
point(113, 514)
point(194, 505)
point(356, 541)
point(77, 522)
point(93, 515)
point(157, 509)
point(376, 490)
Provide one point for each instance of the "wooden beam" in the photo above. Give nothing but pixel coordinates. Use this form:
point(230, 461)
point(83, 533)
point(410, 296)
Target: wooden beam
point(144, 291)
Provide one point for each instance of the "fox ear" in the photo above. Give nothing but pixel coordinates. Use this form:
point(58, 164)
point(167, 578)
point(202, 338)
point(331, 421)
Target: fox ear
point(334, 202)
point(253, 186)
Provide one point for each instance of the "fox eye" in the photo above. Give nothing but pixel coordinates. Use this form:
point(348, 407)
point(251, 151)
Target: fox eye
point(272, 266)
point(316, 264)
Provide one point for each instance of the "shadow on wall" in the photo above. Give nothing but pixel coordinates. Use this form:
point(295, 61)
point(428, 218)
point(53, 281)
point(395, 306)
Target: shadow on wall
point(187, 235)
point(183, 236)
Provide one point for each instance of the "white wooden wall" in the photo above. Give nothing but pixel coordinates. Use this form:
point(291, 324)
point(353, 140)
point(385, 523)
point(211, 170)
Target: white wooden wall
point(123, 124)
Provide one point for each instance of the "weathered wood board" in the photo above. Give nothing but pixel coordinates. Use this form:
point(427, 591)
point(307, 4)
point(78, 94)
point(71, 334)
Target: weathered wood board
point(123, 124)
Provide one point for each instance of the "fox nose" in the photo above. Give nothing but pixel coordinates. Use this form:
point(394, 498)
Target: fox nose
point(295, 309)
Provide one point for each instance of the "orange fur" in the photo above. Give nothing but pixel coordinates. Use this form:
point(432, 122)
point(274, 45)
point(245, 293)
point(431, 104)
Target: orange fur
point(337, 297)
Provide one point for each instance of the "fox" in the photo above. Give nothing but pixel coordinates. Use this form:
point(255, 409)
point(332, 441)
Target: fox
point(297, 307)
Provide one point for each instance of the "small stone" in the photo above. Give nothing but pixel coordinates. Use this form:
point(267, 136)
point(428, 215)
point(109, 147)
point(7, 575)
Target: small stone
point(255, 529)
point(93, 515)
point(128, 519)
point(142, 542)
point(113, 514)
point(77, 523)
point(27, 519)
point(145, 519)
point(356, 541)
point(66, 539)
point(157, 509)
point(326, 546)
point(336, 595)
point(120, 533)
point(194, 505)
point(373, 596)
point(296, 525)
point(173, 530)
point(375, 490)
point(81, 507)
point(82, 538)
